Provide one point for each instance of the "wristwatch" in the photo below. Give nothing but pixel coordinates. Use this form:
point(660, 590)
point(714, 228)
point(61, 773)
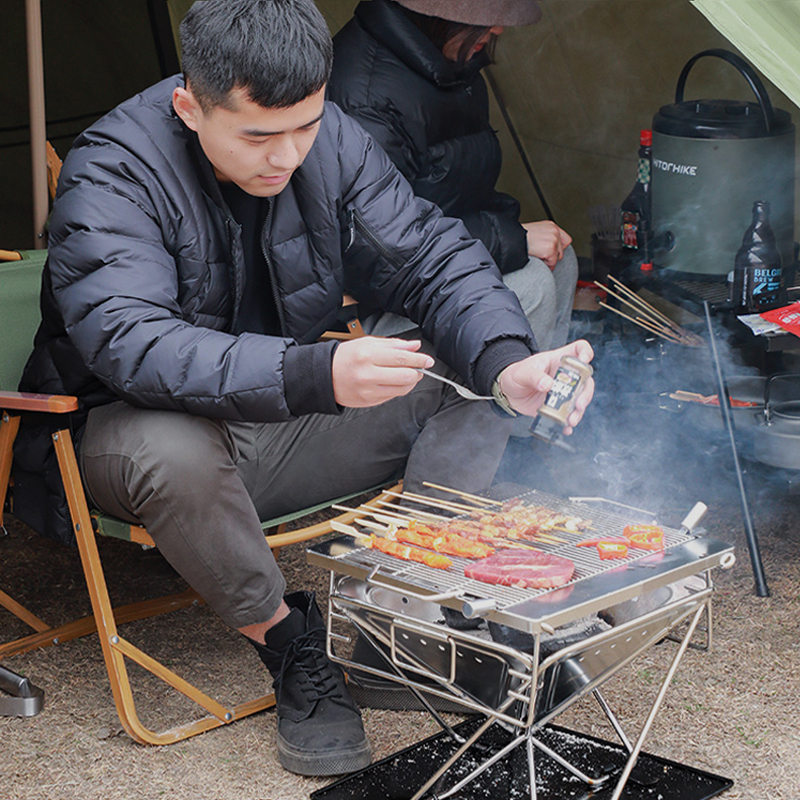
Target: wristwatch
point(501, 399)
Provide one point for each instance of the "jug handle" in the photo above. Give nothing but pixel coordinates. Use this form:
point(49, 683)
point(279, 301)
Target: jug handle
point(767, 386)
point(747, 72)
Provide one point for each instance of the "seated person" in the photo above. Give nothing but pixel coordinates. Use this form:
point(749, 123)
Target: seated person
point(201, 240)
point(409, 72)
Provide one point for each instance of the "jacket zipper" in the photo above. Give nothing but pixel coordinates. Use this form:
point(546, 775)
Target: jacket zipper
point(357, 221)
point(268, 261)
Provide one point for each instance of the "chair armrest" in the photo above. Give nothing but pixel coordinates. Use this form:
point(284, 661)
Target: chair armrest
point(28, 401)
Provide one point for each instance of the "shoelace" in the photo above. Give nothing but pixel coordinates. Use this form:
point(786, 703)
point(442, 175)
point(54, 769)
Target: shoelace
point(306, 652)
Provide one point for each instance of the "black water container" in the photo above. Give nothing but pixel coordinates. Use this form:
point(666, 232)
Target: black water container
point(711, 160)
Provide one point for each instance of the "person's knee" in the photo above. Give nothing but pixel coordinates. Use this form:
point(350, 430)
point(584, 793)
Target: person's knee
point(181, 445)
point(145, 450)
point(534, 286)
point(569, 264)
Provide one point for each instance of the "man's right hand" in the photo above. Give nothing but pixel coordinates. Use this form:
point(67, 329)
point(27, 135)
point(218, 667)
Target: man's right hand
point(371, 370)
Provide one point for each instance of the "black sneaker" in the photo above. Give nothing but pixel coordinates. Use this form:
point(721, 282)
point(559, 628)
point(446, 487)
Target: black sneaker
point(319, 726)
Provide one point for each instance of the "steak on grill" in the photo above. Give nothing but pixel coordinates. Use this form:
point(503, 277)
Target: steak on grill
point(526, 569)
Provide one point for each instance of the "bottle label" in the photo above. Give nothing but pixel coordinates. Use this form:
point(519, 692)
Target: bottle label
point(762, 287)
point(560, 398)
point(643, 172)
point(630, 229)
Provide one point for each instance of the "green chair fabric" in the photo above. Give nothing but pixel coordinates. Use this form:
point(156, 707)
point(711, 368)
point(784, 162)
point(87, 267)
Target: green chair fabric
point(19, 286)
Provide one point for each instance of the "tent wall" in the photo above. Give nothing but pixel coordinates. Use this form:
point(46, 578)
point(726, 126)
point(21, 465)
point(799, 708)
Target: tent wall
point(578, 86)
point(581, 84)
point(96, 53)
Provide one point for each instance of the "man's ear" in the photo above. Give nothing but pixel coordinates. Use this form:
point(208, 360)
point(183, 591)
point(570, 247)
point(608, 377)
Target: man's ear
point(186, 107)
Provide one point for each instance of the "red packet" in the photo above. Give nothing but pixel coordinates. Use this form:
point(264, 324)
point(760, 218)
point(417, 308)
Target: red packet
point(788, 317)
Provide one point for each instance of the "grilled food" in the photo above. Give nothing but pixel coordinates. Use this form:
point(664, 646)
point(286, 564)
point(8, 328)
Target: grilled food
point(408, 553)
point(529, 569)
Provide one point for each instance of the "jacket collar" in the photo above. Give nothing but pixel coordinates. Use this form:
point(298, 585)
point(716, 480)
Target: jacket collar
point(385, 21)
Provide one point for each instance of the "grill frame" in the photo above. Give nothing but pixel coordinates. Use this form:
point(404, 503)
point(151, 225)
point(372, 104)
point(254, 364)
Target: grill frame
point(534, 692)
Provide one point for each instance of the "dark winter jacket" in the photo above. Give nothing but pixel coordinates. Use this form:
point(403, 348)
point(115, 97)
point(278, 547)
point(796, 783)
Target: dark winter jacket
point(144, 278)
point(432, 118)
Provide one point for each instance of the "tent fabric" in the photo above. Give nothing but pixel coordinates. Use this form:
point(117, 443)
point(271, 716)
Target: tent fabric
point(766, 32)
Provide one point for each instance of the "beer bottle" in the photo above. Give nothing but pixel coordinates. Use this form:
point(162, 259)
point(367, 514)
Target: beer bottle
point(635, 209)
point(758, 280)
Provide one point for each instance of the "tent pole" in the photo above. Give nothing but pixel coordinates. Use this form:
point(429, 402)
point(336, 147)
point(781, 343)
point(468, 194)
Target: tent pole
point(517, 142)
point(33, 28)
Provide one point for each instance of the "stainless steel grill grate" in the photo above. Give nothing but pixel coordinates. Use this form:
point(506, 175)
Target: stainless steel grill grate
point(586, 559)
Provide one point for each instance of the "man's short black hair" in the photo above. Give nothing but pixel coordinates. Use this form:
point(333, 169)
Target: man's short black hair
point(279, 51)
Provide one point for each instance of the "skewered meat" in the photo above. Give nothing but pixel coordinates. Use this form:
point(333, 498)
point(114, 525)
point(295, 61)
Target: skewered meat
point(521, 521)
point(528, 569)
point(408, 553)
point(442, 542)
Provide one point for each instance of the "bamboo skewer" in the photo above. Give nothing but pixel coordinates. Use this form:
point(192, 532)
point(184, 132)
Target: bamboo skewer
point(656, 331)
point(384, 518)
point(651, 309)
point(640, 306)
point(408, 511)
point(348, 529)
point(648, 307)
point(474, 497)
point(446, 505)
point(489, 501)
point(542, 537)
point(456, 506)
point(652, 320)
point(512, 544)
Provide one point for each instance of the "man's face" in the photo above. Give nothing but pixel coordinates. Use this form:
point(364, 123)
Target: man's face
point(256, 148)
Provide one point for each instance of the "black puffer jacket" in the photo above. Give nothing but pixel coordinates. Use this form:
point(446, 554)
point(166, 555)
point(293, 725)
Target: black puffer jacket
point(432, 120)
point(145, 268)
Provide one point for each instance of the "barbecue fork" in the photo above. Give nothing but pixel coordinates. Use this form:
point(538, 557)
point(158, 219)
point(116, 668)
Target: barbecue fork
point(468, 394)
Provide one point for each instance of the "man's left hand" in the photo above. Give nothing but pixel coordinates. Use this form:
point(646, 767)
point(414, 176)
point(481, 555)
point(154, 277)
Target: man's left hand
point(526, 383)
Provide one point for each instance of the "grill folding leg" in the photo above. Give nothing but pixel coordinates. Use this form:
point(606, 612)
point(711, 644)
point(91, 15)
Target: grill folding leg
point(529, 684)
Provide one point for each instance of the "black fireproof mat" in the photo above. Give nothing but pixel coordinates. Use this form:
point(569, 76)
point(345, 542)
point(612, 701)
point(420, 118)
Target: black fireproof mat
point(399, 776)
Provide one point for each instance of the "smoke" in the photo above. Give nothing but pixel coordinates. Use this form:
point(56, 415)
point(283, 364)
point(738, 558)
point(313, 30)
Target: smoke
point(636, 445)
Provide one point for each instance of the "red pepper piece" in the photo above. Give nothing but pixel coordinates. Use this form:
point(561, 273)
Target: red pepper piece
point(608, 550)
point(644, 537)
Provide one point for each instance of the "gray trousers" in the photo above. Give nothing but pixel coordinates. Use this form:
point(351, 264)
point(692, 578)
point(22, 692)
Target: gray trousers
point(201, 486)
point(546, 297)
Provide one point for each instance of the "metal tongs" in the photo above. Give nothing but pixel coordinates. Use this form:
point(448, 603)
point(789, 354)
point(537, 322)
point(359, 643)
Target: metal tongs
point(468, 394)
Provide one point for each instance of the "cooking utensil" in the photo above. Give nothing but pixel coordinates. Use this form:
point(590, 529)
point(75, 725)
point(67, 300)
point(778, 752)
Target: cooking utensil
point(468, 394)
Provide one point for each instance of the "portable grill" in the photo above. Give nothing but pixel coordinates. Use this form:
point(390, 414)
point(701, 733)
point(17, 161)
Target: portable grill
point(523, 679)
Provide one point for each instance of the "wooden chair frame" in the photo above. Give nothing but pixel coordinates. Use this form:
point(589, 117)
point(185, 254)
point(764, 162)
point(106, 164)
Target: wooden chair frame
point(104, 619)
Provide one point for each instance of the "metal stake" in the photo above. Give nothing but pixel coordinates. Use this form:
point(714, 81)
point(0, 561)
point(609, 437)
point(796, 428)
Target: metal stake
point(725, 406)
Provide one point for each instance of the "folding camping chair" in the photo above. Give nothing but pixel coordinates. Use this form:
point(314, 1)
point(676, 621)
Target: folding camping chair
point(19, 317)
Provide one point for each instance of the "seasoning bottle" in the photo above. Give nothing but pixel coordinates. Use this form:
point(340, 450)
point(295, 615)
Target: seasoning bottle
point(635, 209)
point(570, 376)
point(758, 279)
